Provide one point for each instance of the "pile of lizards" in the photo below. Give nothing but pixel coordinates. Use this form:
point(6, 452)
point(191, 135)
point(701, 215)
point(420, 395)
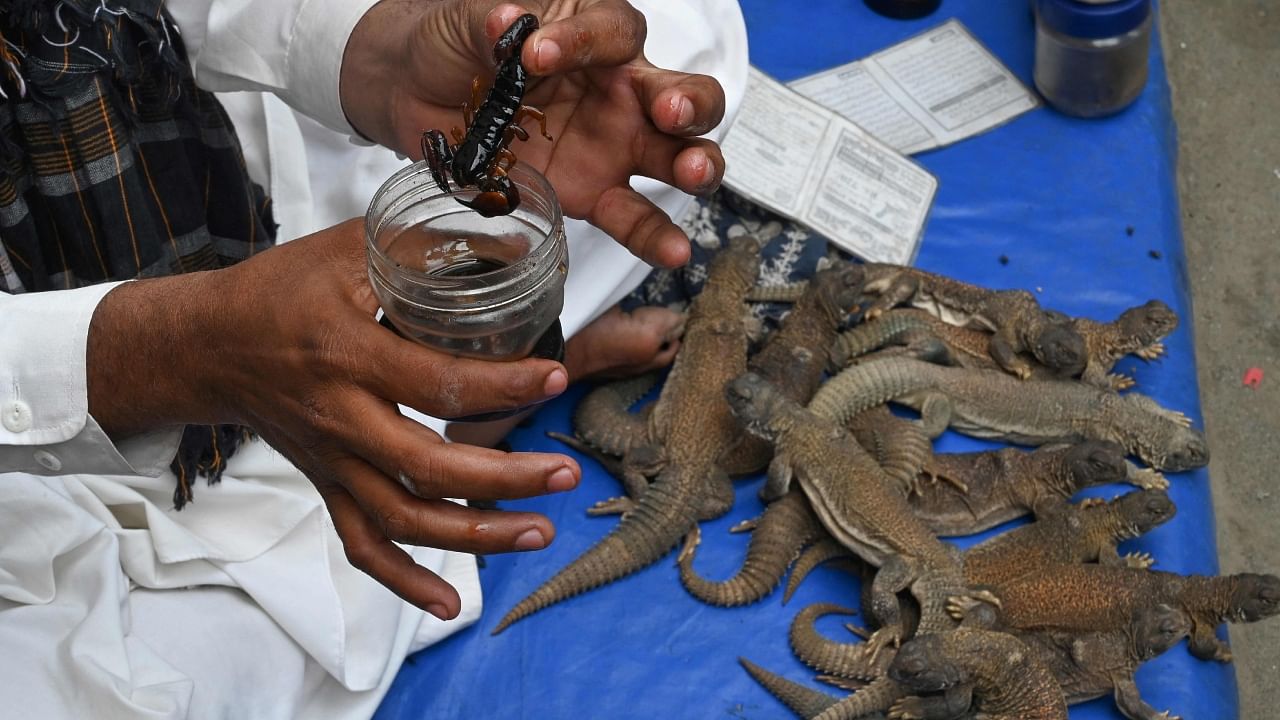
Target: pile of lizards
point(1020, 626)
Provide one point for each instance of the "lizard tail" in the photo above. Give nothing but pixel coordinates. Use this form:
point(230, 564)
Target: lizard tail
point(813, 556)
point(785, 527)
point(663, 515)
point(877, 697)
point(602, 419)
point(865, 386)
point(844, 660)
point(785, 293)
point(804, 701)
point(876, 334)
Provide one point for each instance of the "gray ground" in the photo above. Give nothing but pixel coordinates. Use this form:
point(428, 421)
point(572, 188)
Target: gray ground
point(1224, 64)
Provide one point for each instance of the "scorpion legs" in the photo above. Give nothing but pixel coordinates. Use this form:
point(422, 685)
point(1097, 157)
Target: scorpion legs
point(438, 156)
point(530, 112)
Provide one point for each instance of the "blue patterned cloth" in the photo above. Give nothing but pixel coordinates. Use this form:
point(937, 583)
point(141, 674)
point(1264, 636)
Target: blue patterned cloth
point(790, 256)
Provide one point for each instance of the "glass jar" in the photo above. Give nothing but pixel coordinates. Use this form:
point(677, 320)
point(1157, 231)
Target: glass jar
point(489, 288)
point(1091, 57)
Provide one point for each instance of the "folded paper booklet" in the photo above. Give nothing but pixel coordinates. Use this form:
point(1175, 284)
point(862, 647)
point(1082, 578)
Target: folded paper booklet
point(827, 150)
point(802, 160)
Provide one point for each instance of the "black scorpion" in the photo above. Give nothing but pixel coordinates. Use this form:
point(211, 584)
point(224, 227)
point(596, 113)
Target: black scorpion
point(482, 157)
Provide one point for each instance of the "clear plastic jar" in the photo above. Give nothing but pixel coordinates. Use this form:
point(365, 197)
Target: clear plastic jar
point(1091, 57)
point(449, 278)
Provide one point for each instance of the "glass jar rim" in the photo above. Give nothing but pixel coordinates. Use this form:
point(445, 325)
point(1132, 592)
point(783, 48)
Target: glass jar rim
point(414, 184)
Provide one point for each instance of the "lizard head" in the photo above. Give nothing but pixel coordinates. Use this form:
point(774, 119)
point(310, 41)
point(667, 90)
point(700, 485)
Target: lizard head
point(838, 289)
point(754, 401)
point(922, 666)
point(1256, 597)
point(1061, 349)
point(1156, 629)
point(1186, 449)
point(1149, 322)
point(1144, 510)
point(1095, 462)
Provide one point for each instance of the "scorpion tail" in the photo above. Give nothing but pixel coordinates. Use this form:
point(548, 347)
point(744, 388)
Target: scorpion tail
point(497, 196)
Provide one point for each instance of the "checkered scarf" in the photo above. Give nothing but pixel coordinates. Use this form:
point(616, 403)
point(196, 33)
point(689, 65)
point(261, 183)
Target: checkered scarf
point(114, 165)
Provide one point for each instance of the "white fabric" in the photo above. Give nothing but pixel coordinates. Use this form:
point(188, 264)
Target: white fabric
point(273, 621)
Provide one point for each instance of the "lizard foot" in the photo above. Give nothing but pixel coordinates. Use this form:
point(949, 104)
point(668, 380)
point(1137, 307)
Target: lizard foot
point(965, 608)
point(1140, 561)
point(844, 683)
point(1120, 382)
point(879, 640)
point(1150, 352)
point(745, 526)
point(937, 477)
point(690, 544)
point(613, 506)
point(987, 597)
point(908, 708)
point(1149, 479)
point(1179, 418)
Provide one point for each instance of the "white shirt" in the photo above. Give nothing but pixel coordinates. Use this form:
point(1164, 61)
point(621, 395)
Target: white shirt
point(275, 622)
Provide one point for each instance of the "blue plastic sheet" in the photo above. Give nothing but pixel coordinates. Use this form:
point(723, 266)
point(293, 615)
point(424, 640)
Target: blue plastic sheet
point(1086, 214)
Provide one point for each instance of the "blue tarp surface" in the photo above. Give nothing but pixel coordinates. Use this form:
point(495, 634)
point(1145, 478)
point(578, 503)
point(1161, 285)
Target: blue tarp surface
point(1086, 213)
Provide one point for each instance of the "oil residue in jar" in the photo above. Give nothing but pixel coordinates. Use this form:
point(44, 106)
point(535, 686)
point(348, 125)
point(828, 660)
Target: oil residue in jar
point(515, 316)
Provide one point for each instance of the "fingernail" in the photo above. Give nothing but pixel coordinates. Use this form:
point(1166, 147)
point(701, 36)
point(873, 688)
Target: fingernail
point(530, 540)
point(561, 480)
point(439, 611)
point(707, 182)
point(555, 383)
point(684, 112)
point(546, 53)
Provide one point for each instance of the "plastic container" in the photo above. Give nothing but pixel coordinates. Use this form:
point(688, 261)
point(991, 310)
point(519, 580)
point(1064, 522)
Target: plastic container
point(489, 288)
point(1091, 57)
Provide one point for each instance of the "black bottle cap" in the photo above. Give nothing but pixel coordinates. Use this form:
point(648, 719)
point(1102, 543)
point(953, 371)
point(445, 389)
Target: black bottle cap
point(903, 9)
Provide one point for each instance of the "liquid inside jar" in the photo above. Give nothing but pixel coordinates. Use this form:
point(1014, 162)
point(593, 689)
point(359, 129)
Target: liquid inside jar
point(468, 285)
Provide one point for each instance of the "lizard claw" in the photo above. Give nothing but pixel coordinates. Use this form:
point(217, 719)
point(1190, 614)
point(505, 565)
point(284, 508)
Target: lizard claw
point(858, 631)
point(1179, 418)
point(691, 542)
point(1149, 479)
point(1140, 561)
point(844, 683)
point(1091, 503)
point(613, 506)
point(745, 526)
point(881, 639)
point(1120, 382)
point(907, 708)
point(1151, 352)
point(987, 597)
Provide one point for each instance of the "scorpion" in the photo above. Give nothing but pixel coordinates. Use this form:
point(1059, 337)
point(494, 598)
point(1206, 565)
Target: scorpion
point(482, 157)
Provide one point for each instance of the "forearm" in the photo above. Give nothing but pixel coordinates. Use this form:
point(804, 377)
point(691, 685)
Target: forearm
point(147, 359)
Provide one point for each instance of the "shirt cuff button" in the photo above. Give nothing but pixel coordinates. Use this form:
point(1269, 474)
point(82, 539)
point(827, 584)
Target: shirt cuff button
point(48, 460)
point(16, 416)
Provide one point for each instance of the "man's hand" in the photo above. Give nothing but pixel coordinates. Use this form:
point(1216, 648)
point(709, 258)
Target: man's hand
point(409, 65)
point(287, 344)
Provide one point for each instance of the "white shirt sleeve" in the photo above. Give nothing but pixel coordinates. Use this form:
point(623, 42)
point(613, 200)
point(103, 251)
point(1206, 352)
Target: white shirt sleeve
point(45, 426)
point(292, 48)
